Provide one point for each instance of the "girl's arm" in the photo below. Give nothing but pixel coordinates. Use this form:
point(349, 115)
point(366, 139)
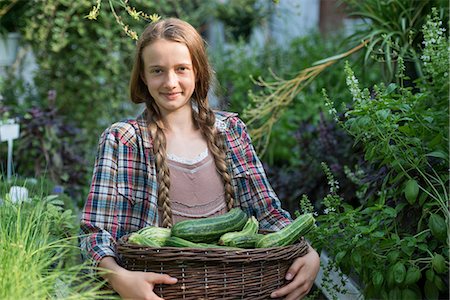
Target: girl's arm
point(102, 225)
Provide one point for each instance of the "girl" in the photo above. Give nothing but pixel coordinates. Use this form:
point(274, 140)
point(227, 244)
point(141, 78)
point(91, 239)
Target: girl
point(176, 161)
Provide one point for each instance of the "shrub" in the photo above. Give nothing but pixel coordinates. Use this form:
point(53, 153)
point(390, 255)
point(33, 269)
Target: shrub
point(397, 241)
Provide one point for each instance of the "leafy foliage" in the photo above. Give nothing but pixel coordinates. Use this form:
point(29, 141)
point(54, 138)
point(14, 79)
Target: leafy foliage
point(393, 29)
point(241, 16)
point(238, 67)
point(50, 144)
point(404, 228)
point(90, 78)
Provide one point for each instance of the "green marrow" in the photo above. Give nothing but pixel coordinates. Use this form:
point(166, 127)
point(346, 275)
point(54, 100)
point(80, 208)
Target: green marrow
point(174, 241)
point(210, 229)
point(247, 241)
point(139, 239)
point(246, 238)
point(157, 234)
point(289, 234)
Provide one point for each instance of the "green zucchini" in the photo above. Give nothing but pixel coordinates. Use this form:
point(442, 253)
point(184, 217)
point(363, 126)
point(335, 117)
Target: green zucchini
point(246, 238)
point(251, 226)
point(158, 234)
point(207, 230)
point(139, 239)
point(174, 241)
point(247, 241)
point(289, 234)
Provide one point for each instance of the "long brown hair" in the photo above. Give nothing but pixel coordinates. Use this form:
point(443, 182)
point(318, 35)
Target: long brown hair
point(176, 30)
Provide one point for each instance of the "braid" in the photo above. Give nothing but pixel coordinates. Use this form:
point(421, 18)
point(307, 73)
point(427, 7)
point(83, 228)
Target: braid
point(163, 174)
point(206, 120)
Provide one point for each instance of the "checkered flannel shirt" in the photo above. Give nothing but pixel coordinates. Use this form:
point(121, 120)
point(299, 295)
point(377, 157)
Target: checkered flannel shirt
point(123, 193)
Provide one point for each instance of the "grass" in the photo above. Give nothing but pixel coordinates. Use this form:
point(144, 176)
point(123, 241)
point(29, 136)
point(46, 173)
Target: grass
point(36, 263)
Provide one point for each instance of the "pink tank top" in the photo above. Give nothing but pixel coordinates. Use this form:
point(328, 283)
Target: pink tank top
point(196, 189)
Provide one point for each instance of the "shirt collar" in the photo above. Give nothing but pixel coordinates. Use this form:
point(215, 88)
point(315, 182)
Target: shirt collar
point(220, 124)
point(143, 128)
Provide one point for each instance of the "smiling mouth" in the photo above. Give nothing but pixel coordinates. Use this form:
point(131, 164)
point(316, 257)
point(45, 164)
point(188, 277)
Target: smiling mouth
point(171, 94)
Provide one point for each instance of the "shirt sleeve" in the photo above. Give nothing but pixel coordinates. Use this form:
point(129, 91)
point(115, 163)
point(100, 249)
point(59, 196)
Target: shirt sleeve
point(99, 223)
point(265, 202)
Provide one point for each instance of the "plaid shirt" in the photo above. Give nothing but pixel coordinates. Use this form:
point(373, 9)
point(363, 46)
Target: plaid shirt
point(123, 194)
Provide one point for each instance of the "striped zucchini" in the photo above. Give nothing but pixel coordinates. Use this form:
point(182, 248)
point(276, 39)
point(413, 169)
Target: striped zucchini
point(139, 239)
point(247, 241)
point(289, 234)
point(157, 234)
point(246, 238)
point(210, 229)
point(174, 241)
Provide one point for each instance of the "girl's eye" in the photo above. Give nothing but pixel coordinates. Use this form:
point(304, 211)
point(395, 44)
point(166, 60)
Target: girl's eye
point(182, 69)
point(156, 71)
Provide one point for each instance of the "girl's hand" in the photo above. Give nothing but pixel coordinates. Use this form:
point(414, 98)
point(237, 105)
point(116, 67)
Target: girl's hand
point(132, 284)
point(138, 285)
point(302, 272)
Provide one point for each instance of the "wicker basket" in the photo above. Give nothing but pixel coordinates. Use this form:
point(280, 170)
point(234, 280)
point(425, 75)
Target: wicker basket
point(213, 273)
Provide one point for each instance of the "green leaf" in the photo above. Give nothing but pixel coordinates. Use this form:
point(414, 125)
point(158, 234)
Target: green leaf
point(438, 227)
point(429, 119)
point(399, 272)
point(408, 294)
point(377, 279)
point(437, 140)
point(356, 259)
point(331, 58)
point(438, 154)
point(392, 256)
point(395, 293)
point(429, 274)
point(383, 114)
point(391, 88)
point(408, 249)
point(412, 275)
point(431, 291)
point(438, 262)
point(378, 234)
point(423, 247)
point(339, 256)
point(422, 198)
point(411, 191)
point(50, 198)
point(391, 212)
point(405, 129)
point(439, 283)
point(362, 121)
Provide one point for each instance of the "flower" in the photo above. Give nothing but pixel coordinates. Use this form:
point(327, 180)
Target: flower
point(154, 18)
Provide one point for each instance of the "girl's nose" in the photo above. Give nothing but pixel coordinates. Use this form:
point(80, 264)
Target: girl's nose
point(170, 80)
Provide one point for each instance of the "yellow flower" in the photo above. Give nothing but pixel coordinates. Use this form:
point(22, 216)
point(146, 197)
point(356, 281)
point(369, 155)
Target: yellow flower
point(133, 34)
point(93, 14)
point(132, 12)
point(154, 18)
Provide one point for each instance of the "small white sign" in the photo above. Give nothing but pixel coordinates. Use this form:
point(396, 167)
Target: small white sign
point(9, 132)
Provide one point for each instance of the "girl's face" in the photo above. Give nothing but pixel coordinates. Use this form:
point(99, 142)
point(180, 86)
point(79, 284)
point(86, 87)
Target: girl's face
point(169, 75)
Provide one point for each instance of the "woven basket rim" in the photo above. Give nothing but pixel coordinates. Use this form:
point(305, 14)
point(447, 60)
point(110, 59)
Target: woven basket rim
point(211, 254)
